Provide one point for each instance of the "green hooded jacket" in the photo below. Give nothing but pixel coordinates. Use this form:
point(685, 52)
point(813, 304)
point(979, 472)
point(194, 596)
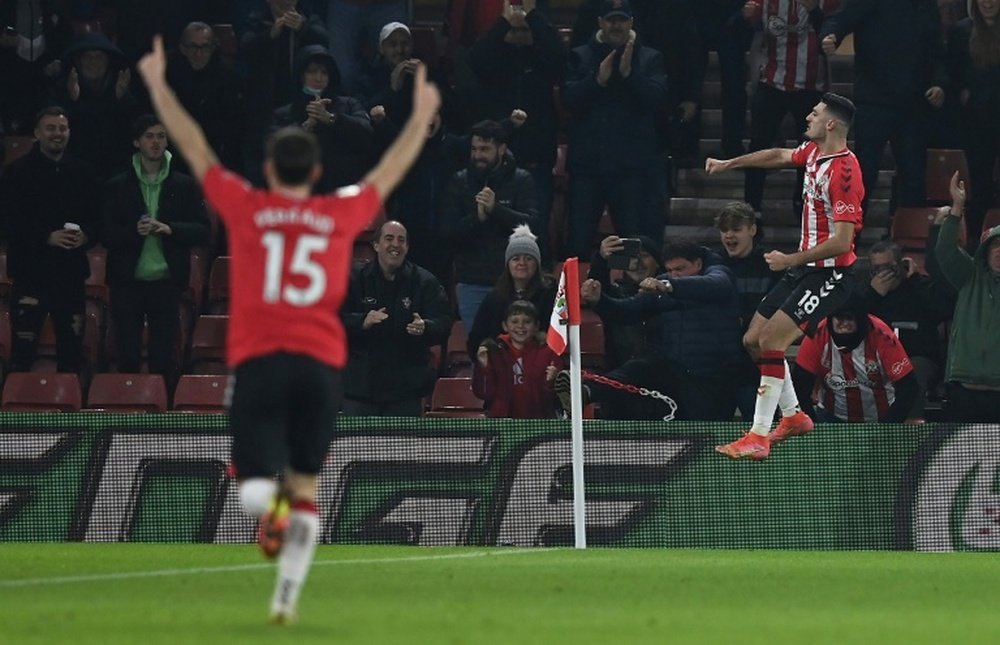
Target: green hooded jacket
point(974, 345)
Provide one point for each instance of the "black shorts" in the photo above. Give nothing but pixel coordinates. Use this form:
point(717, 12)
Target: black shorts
point(283, 413)
point(809, 294)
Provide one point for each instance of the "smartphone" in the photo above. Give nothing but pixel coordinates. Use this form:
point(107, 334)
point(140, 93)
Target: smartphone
point(622, 259)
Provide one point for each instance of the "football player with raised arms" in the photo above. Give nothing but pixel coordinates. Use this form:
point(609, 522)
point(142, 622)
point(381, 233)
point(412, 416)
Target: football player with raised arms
point(818, 277)
point(291, 253)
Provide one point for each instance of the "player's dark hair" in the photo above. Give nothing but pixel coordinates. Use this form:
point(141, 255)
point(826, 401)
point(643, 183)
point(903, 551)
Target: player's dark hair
point(682, 248)
point(52, 110)
point(735, 214)
point(523, 307)
point(143, 123)
point(841, 107)
point(294, 153)
point(489, 131)
point(883, 246)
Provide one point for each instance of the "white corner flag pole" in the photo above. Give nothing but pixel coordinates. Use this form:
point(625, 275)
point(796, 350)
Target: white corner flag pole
point(576, 432)
point(563, 334)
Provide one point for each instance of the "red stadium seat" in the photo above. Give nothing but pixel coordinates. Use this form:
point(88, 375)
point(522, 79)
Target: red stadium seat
point(941, 165)
point(229, 44)
point(127, 393)
point(15, 147)
point(453, 397)
point(201, 393)
point(457, 359)
point(911, 226)
point(5, 337)
point(31, 392)
point(992, 219)
point(208, 345)
point(96, 284)
point(424, 43)
point(591, 339)
point(218, 286)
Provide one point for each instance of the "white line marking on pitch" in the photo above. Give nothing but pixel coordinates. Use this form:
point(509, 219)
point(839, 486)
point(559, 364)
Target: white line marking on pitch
point(28, 582)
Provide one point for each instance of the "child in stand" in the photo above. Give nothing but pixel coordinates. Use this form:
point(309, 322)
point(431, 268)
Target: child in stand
point(513, 374)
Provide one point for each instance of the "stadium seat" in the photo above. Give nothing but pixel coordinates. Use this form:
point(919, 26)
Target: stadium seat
point(457, 359)
point(15, 147)
point(208, 345)
point(93, 341)
point(96, 284)
point(453, 397)
point(201, 393)
point(218, 286)
point(591, 339)
point(5, 337)
point(425, 45)
point(127, 393)
point(363, 251)
point(5, 283)
point(229, 44)
point(911, 226)
point(32, 392)
point(941, 165)
point(992, 219)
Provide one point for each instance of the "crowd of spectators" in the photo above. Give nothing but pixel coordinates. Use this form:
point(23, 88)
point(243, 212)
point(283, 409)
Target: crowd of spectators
point(472, 234)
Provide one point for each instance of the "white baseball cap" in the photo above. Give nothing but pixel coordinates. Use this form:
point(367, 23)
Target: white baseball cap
point(389, 28)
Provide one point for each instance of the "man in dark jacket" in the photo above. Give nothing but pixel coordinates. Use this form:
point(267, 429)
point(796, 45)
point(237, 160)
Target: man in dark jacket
point(394, 313)
point(899, 76)
point(210, 90)
point(96, 89)
point(913, 305)
point(699, 311)
point(340, 123)
point(614, 88)
point(50, 218)
point(150, 218)
point(516, 64)
point(482, 206)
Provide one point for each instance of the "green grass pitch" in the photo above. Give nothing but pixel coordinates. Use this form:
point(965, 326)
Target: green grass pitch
point(179, 594)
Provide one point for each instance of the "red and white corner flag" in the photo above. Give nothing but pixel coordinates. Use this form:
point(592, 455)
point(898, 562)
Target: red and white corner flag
point(566, 310)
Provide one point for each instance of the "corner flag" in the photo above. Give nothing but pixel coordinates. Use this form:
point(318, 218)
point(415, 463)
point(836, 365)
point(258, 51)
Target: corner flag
point(566, 310)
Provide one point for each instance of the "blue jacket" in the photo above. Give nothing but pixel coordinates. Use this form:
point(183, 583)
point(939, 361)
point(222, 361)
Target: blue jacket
point(700, 319)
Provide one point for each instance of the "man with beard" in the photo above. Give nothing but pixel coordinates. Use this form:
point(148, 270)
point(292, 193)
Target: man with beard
point(50, 218)
point(151, 217)
point(395, 311)
point(864, 374)
point(482, 206)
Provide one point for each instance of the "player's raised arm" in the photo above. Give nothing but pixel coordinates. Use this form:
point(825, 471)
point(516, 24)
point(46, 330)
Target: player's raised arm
point(184, 131)
point(770, 158)
point(396, 161)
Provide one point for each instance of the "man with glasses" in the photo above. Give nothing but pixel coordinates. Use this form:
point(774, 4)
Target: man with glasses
point(210, 90)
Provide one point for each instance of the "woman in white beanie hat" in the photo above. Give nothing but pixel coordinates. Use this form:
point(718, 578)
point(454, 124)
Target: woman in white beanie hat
point(522, 280)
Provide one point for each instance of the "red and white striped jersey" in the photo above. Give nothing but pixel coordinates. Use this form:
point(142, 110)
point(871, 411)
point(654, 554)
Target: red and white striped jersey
point(832, 192)
point(790, 54)
point(856, 386)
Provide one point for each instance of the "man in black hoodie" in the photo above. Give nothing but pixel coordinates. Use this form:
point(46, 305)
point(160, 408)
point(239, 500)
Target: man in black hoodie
point(482, 206)
point(50, 217)
point(340, 123)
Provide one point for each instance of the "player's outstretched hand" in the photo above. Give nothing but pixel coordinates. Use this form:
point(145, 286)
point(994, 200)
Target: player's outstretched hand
point(153, 66)
point(426, 98)
point(715, 166)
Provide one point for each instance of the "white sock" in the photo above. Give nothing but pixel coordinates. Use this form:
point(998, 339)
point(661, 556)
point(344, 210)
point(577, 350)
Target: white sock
point(295, 559)
point(256, 494)
point(788, 401)
point(767, 401)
